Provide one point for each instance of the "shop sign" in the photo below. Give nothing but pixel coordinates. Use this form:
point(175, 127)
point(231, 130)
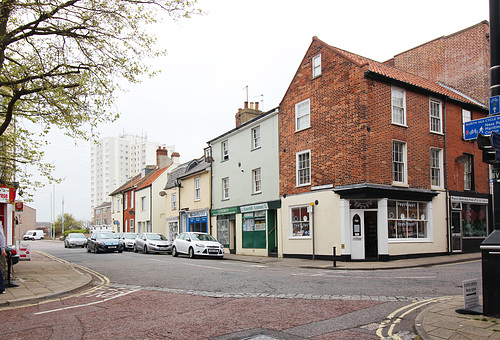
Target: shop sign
point(224, 211)
point(471, 294)
point(255, 207)
point(195, 214)
point(469, 200)
point(4, 195)
point(19, 206)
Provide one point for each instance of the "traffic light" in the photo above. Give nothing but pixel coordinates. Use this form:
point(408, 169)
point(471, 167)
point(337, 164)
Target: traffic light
point(484, 143)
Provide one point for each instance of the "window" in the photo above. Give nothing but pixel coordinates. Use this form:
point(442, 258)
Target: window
point(302, 115)
point(197, 189)
point(174, 201)
point(407, 219)
point(132, 199)
point(303, 168)
point(466, 117)
point(316, 66)
point(256, 137)
point(257, 181)
point(126, 201)
point(436, 166)
point(300, 222)
point(131, 225)
point(398, 106)
point(225, 188)
point(225, 150)
point(435, 111)
point(399, 162)
point(143, 203)
point(468, 172)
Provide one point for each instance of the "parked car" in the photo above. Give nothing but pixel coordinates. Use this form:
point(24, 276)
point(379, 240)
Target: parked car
point(128, 240)
point(104, 241)
point(152, 242)
point(197, 244)
point(75, 240)
point(33, 235)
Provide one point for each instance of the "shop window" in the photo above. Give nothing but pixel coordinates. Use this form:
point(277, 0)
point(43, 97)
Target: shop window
point(300, 222)
point(223, 231)
point(254, 230)
point(407, 220)
point(474, 223)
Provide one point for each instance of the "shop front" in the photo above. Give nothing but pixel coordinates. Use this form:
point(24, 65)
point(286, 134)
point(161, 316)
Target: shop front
point(195, 221)
point(259, 224)
point(225, 220)
point(469, 222)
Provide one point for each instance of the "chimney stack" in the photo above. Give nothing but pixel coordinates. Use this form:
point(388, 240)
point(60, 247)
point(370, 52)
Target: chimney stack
point(247, 113)
point(175, 157)
point(162, 159)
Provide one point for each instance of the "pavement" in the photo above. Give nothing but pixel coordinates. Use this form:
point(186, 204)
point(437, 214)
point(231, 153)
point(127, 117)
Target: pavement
point(46, 277)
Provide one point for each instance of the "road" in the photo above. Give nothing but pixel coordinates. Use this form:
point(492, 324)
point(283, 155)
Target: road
point(161, 297)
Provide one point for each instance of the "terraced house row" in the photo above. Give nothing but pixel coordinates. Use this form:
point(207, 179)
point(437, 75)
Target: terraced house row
point(363, 156)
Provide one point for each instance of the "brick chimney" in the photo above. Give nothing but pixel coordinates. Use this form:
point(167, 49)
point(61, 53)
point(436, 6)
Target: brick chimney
point(162, 159)
point(247, 113)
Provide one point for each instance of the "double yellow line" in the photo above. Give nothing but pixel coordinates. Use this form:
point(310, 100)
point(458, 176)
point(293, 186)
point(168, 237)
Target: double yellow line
point(104, 281)
point(395, 317)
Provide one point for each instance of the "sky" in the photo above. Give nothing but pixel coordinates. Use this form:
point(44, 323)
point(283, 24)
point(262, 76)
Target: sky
point(238, 44)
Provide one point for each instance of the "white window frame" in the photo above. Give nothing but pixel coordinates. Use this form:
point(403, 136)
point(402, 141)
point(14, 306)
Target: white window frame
point(143, 203)
point(197, 189)
point(399, 157)
point(132, 199)
point(301, 221)
point(301, 170)
point(224, 150)
point(316, 66)
point(436, 168)
point(132, 226)
point(436, 115)
point(225, 188)
point(303, 115)
point(256, 137)
point(468, 173)
point(257, 181)
point(395, 106)
point(174, 201)
point(466, 117)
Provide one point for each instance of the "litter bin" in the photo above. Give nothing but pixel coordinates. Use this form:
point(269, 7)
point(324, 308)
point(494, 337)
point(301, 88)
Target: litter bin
point(490, 249)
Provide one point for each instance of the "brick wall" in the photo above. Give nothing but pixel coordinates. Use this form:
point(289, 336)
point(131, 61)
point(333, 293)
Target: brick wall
point(461, 60)
point(351, 133)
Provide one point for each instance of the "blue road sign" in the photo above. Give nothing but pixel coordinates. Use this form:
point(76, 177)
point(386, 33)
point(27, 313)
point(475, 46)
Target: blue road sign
point(494, 105)
point(484, 126)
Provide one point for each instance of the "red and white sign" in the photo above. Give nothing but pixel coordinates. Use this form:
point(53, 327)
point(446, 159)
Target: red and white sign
point(19, 206)
point(4, 195)
point(25, 252)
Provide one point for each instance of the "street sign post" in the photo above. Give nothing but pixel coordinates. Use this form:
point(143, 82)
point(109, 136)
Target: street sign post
point(494, 105)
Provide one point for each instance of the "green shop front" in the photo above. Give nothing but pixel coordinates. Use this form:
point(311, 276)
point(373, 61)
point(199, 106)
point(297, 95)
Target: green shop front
point(249, 229)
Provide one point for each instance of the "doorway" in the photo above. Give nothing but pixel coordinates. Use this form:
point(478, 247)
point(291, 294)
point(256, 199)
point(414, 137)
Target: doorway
point(456, 231)
point(364, 240)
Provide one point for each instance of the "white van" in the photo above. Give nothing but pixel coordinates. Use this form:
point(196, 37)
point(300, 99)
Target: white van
point(33, 235)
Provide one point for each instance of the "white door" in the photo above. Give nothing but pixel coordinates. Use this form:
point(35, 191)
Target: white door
point(357, 235)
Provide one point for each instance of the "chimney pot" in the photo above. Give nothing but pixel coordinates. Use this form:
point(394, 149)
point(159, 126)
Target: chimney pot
point(256, 105)
point(246, 105)
point(251, 105)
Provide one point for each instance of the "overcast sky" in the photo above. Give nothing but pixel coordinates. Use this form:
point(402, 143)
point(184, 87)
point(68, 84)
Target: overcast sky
point(239, 43)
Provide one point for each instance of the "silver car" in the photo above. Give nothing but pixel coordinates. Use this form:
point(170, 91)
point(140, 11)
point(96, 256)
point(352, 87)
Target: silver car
point(128, 240)
point(75, 240)
point(152, 242)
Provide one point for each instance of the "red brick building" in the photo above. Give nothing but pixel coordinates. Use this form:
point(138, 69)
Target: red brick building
point(372, 161)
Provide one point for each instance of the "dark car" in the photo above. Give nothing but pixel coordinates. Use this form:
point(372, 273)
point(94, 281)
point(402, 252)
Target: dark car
point(104, 242)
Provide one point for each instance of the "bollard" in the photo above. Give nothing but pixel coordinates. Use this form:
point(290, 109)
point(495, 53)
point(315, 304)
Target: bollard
point(335, 256)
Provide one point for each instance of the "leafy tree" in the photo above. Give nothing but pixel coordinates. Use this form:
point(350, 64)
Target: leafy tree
point(69, 223)
point(61, 63)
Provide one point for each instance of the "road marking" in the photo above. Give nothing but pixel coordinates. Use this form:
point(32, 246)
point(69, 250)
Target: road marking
point(209, 267)
point(403, 311)
point(96, 294)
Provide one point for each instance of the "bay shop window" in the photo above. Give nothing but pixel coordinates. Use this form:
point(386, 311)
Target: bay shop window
point(407, 220)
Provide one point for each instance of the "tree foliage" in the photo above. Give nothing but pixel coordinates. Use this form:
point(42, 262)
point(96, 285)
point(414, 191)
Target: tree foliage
point(70, 222)
point(61, 63)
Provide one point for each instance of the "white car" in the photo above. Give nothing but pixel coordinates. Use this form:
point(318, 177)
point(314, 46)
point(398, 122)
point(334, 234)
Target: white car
point(197, 244)
point(128, 240)
point(152, 242)
point(33, 235)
